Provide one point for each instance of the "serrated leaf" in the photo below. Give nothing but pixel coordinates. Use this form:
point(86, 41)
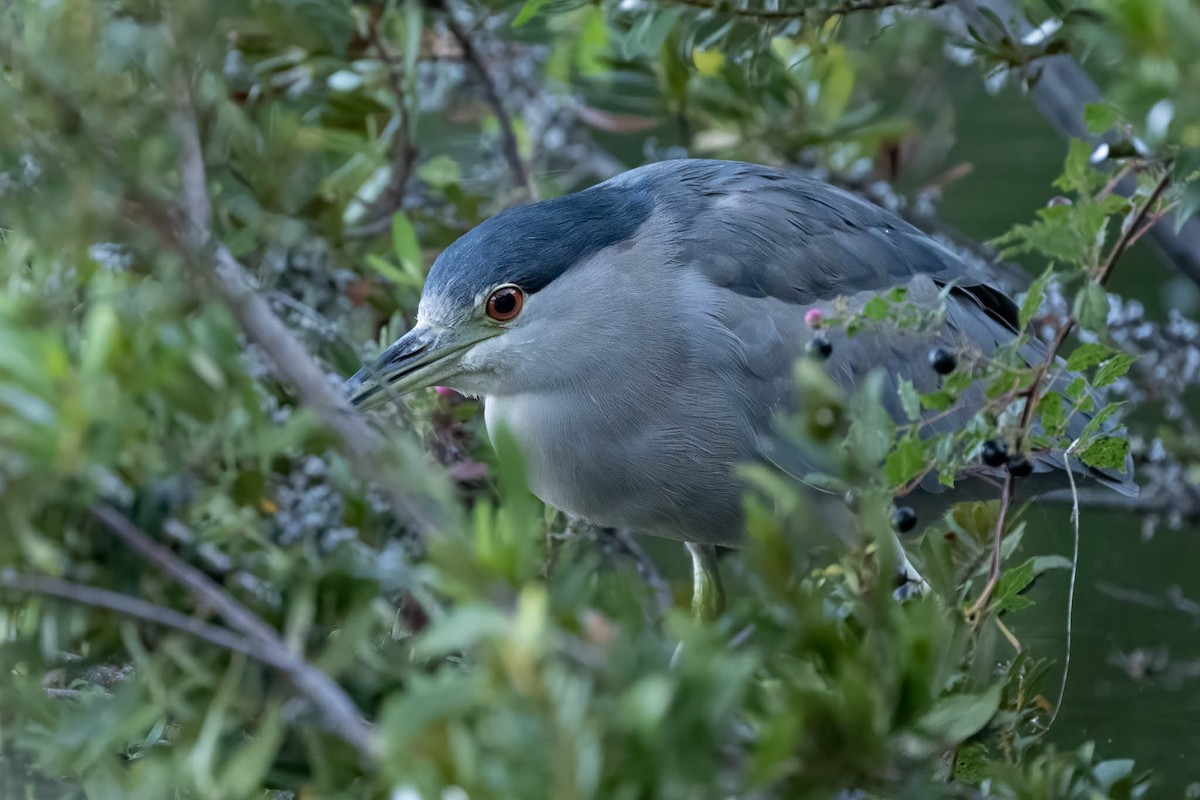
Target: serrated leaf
point(1107, 452)
point(1077, 173)
point(1088, 355)
point(1077, 389)
point(906, 460)
point(1113, 369)
point(1050, 411)
point(1034, 298)
point(1101, 417)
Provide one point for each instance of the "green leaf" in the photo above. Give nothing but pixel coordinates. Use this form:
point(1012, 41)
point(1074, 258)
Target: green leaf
point(1088, 355)
point(440, 172)
point(1187, 175)
point(1034, 297)
point(405, 244)
point(1113, 369)
point(1050, 410)
point(1006, 596)
point(1078, 175)
point(462, 629)
point(959, 717)
point(245, 771)
point(1101, 417)
point(1091, 308)
point(906, 460)
point(386, 269)
point(1046, 563)
point(910, 401)
point(1100, 117)
point(527, 12)
point(876, 309)
point(1107, 452)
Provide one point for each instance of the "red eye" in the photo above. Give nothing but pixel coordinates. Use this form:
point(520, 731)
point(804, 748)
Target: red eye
point(505, 303)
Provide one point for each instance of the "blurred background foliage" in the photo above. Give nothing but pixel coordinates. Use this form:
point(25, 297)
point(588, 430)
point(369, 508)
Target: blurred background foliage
point(509, 654)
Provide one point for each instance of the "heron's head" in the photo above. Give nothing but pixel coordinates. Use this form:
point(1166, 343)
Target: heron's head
point(496, 305)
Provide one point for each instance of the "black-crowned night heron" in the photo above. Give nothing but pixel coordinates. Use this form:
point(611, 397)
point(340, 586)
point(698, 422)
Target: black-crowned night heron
point(638, 338)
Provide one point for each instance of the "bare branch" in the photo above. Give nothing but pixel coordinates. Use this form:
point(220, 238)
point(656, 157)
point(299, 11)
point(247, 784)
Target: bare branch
point(804, 12)
point(261, 641)
point(135, 608)
point(508, 138)
point(391, 200)
point(288, 358)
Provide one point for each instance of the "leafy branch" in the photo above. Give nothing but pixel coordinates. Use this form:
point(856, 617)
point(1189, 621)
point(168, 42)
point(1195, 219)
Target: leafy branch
point(193, 232)
point(1146, 216)
point(258, 639)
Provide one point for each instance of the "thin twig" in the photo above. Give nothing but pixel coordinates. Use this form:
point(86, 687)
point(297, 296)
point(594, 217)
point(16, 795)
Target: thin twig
point(1062, 686)
point(997, 537)
point(391, 200)
point(135, 608)
point(265, 644)
point(824, 12)
point(508, 137)
point(1062, 91)
point(1139, 225)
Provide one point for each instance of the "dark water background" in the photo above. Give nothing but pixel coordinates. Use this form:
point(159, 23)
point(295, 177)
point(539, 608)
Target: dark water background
point(1134, 680)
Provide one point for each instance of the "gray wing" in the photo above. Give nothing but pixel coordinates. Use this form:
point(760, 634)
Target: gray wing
point(779, 243)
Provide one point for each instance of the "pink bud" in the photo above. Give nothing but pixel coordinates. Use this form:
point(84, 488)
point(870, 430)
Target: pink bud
point(444, 391)
point(1059, 201)
point(813, 317)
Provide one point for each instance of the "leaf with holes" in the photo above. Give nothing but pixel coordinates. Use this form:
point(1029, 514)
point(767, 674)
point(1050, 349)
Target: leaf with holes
point(1107, 452)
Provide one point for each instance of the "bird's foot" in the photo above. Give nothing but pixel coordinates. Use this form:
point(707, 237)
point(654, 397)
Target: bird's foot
point(708, 596)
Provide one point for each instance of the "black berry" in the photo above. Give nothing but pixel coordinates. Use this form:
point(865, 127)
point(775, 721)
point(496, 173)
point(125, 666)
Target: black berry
point(820, 346)
point(1020, 466)
point(904, 519)
point(994, 453)
point(942, 361)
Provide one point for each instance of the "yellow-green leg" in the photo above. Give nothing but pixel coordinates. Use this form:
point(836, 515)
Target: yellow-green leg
point(708, 596)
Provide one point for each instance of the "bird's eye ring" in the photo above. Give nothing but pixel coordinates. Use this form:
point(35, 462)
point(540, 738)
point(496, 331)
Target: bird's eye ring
point(504, 304)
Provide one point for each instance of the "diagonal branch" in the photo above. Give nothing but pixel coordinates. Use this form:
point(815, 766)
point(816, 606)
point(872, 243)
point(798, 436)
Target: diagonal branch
point(360, 443)
point(137, 609)
point(508, 138)
point(379, 216)
point(804, 12)
point(261, 640)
